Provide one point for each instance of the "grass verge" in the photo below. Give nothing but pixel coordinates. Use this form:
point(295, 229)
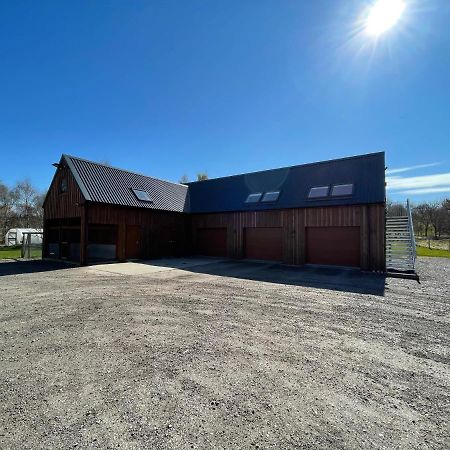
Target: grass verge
point(424, 251)
point(15, 252)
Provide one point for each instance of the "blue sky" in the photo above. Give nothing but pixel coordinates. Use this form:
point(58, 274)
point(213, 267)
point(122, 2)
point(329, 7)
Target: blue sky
point(175, 87)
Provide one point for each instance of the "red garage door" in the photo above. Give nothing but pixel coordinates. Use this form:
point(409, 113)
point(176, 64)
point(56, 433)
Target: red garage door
point(212, 241)
point(263, 243)
point(337, 246)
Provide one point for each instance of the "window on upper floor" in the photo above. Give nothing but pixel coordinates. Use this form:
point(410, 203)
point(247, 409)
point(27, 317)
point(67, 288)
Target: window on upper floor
point(318, 192)
point(63, 185)
point(338, 190)
point(254, 198)
point(271, 196)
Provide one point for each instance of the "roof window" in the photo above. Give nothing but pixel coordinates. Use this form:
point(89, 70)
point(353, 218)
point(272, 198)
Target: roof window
point(143, 196)
point(341, 189)
point(254, 198)
point(271, 196)
point(318, 192)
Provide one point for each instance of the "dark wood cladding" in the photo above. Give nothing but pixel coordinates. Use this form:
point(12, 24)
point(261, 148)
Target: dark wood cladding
point(63, 205)
point(176, 234)
point(369, 218)
point(159, 233)
point(211, 242)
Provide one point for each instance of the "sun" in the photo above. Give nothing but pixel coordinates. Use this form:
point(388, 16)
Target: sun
point(383, 15)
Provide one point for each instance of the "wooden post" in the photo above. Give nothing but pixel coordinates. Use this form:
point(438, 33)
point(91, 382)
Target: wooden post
point(83, 235)
point(121, 240)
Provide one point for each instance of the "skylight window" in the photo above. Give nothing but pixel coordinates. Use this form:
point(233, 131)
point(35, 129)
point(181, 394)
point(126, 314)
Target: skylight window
point(143, 196)
point(271, 196)
point(254, 198)
point(318, 192)
point(341, 189)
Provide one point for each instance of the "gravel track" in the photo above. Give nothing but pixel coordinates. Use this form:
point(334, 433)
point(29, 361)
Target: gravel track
point(179, 359)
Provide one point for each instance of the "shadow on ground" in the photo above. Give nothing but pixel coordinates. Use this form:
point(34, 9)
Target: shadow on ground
point(336, 278)
point(16, 267)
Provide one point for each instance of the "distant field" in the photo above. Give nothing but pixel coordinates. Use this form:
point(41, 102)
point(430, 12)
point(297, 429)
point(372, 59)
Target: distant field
point(439, 247)
point(14, 252)
point(425, 251)
point(436, 244)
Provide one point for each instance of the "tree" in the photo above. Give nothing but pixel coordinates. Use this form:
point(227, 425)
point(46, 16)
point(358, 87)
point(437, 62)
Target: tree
point(7, 213)
point(423, 215)
point(184, 179)
point(39, 210)
point(446, 219)
point(436, 217)
point(26, 202)
point(201, 176)
point(28, 205)
point(20, 207)
point(395, 209)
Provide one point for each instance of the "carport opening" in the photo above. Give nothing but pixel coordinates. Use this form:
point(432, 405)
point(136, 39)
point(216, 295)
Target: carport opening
point(102, 243)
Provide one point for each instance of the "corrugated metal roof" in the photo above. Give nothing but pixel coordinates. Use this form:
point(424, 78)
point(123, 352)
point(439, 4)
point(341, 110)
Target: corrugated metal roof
point(366, 172)
point(105, 184)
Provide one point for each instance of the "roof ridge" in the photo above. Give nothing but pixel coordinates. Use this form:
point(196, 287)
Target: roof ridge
point(316, 163)
point(122, 170)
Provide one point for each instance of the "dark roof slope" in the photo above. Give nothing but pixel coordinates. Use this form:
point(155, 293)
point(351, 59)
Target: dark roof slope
point(105, 184)
point(366, 172)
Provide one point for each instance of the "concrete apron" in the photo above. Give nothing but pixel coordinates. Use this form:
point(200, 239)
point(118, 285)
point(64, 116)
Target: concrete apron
point(153, 266)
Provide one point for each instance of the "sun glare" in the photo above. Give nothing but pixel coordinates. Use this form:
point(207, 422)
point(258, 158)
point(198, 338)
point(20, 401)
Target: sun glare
point(383, 15)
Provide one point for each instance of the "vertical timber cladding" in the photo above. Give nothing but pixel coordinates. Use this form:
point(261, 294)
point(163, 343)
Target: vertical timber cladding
point(294, 222)
point(62, 215)
point(63, 205)
point(211, 241)
point(157, 233)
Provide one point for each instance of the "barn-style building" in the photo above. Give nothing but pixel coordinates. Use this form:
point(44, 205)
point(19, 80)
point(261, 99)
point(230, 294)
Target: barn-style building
point(327, 213)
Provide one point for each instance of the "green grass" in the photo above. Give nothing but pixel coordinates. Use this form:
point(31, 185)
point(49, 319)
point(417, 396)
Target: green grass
point(14, 252)
point(424, 251)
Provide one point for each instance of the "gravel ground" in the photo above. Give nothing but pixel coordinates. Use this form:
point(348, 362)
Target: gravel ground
point(178, 359)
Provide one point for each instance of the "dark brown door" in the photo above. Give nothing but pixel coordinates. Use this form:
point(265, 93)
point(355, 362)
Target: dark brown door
point(336, 246)
point(212, 241)
point(263, 243)
point(133, 241)
point(169, 241)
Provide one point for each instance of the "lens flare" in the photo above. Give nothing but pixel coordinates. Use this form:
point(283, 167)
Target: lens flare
point(383, 15)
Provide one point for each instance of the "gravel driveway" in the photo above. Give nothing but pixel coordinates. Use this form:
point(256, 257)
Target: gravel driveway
point(227, 355)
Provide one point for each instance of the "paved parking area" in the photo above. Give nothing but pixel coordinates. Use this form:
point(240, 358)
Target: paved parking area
point(220, 354)
point(154, 266)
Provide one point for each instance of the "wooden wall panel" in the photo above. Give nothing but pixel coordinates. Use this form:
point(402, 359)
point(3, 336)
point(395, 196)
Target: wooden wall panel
point(63, 205)
point(155, 227)
point(370, 219)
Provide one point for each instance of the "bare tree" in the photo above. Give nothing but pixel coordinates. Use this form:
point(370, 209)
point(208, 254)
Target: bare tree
point(423, 214)
point(184, 179)
point(26, 204)
point(201, 176)
point(440, 218)
point(446, 214)
point(20, 207)
point(39, 210)
point(394, 209)
point(7, 213)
